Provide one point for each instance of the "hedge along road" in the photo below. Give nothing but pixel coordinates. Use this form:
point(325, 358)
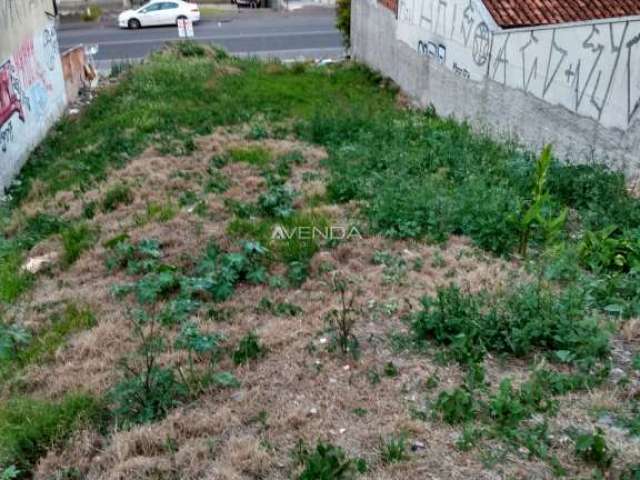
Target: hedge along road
point(309, 32)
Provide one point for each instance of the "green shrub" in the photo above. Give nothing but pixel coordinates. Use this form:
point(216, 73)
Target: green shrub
point(28, 428)
point(525, 319)
point(611, 249)
point(75, 240)
point(248, 349)
point(505, 406)
point(13, 337)
point(593, 448)
point(146, 397)
point(456, 406)
point(327, 462)
point(276, 202)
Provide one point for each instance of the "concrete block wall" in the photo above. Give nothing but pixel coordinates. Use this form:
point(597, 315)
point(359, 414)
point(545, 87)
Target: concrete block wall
point(487, 104)
point(32, 89)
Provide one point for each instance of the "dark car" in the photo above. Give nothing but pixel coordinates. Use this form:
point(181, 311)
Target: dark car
point(248, 3)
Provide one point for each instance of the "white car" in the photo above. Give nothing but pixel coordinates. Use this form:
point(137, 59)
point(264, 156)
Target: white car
point(158, 12)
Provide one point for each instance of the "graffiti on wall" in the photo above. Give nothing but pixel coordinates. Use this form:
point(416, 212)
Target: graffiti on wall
point(30, 87)
point(592, 69)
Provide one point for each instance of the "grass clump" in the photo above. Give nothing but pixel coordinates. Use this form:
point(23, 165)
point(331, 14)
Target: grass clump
point(256, 156)
point(28, 428)
point(75, 240)
point(119, 194)
point(393, 450)
point(13, 280)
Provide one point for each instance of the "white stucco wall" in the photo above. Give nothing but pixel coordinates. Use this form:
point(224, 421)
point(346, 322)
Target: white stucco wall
point(32, 91)
point(453, 72)
point(591, 68)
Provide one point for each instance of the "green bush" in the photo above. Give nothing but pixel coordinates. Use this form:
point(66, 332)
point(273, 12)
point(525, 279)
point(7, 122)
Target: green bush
point(457, 406)
point(248, 349)
point(28, 428)
point(327, 462)
point(522, 321)
point(593, 448)
point(147, 397)
point(611, 249)
point(276, 202)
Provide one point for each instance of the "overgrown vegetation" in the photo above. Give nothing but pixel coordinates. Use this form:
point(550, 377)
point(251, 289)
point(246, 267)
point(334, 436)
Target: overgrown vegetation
point(29, 427)
point(402, 174)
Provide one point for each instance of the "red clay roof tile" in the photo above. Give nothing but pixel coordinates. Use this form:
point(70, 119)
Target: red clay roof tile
point(520, 13)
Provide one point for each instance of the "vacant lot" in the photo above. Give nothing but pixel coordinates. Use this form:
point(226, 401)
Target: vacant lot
point(245, 270)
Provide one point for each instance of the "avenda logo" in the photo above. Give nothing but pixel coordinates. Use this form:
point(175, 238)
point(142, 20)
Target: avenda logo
point(281, 232)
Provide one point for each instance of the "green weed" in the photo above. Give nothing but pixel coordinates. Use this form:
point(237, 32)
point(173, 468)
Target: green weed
point(75, 240)
point(248, 349)
point(119, 194)
point(326, 462)
point(256, 156)
point(28, 428)
point(393, 450)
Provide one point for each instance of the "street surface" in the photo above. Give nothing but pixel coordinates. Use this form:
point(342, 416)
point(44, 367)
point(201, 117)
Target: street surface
point(307, 32)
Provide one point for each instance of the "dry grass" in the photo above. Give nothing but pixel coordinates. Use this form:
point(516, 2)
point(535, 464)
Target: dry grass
point(305, 391)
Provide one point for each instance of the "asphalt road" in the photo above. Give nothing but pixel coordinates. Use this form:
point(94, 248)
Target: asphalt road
point(307, 32)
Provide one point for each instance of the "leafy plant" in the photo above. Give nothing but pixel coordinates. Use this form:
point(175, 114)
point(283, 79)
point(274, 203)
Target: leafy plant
point(147, 391)
point(248, 349)
point(535, 214)
point(277, 202)
point(326, 462)
point(341, 320)
point(519, 322)
point(13, 337)
point(456, 406)
point(593, 448)
point(199, 347)
point(506, 408)
point(611, 249)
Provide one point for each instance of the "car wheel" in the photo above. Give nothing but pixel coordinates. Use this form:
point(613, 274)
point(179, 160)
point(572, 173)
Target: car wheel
point(181, 17)
point(134, 24)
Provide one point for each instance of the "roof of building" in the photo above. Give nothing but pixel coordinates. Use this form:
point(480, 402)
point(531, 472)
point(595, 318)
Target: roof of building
point(521, 13)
